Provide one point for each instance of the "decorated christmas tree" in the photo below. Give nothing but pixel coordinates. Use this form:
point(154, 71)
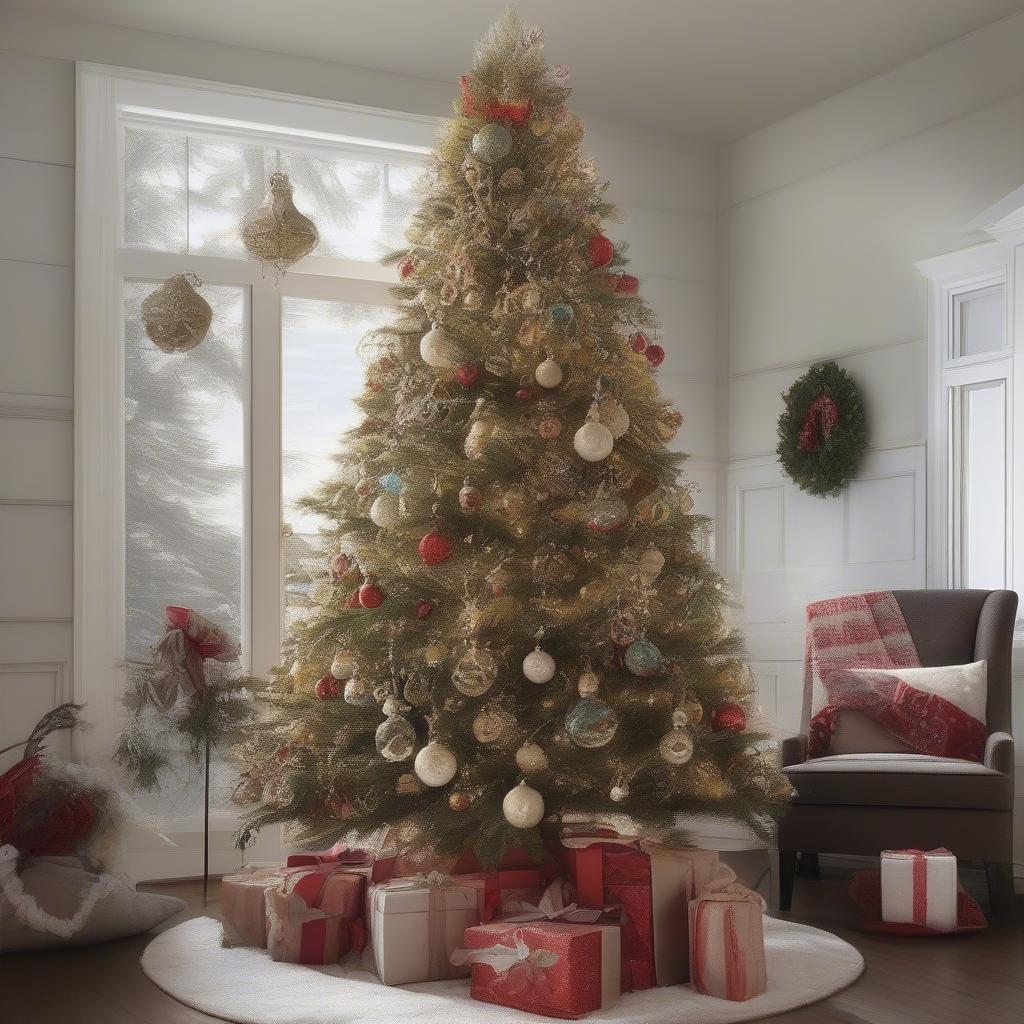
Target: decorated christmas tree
point(518, 625)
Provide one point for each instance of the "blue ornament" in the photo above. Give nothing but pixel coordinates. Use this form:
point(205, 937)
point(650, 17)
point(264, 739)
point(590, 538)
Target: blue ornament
point(562, 313)
point(643, 658)
point(591, 723)
point(392, 483)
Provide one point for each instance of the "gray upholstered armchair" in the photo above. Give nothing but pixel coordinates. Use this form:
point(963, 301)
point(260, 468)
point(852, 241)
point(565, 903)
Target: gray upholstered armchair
point(873, 793)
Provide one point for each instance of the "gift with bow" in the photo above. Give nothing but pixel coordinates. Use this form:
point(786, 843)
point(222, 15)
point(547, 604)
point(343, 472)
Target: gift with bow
point(920, 887)
point(727, 957)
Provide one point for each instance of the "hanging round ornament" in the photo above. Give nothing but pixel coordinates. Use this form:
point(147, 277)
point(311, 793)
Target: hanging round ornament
point(523, 806)
point(493, 724)
point(470, 497)
point(395, 738)
point(277, 233)
point(561, 313)
point(358, 693)
point(651, 562)
point(384, 511)
point(436, 349)
point(370, 595)
point(550, 427)
point(676, 747)
point(539, 666)
point(643, 658)
point(728, 717)
point(460, 801)
point(344, 665)
point(406, 269)
point(435, 764)
point(530, 757)
point(600, 250)
point(619, 791)
point(548, 374)
point(423, 610)
point(591, 723)
point(467, 374)
point(492, 143)
point(176, 317)
point(326, 687)
point(606, 514)
point(392, 483)
point(475, 672)
point(434, 548)
point(593, 441)
point(588, 684)
point(822, 430)
point(655, 355)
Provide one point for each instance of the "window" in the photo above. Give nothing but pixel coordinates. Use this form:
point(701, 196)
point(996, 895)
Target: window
point(190, 464)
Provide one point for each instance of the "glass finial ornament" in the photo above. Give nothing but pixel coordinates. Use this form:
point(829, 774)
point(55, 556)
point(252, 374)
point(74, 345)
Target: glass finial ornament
point(492, 143)
point(539, 666)
point(593, 441)
point(475, 672)
point(643, 658)
point(435, 765)
point(392, 483)
point(523, 806)
point(395, 738)
point(591, 723)
point(277, 233)
point(530, 757)
point(175, 315)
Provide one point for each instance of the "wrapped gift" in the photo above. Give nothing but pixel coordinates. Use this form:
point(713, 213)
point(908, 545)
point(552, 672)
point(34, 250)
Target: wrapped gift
point(339, 853)
point(243, 906)
point(920, 887)
point(415, 924)
point(548, 967)
point(497, 890)
point(315, 915)
point(650, 886)
point(727, 940)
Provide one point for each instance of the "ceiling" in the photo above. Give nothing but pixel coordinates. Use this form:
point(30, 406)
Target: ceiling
point(710, 69)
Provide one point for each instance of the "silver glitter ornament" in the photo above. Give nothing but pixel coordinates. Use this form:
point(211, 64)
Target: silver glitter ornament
point(492, 143)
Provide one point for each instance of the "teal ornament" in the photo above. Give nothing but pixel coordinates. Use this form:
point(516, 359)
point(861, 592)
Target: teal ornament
point(643, 658)
point(392, 483)
point(561, 313)
point(591, 723)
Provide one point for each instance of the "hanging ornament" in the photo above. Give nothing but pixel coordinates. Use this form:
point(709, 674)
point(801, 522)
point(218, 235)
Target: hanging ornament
point(591, 723)
point(436, 349)
point(668, 423)
point(593, 441)
point(459, 801)
point(341, 566)
point(434, 548)
point(692, 709)
point(655, 355)
point(326, 687)
point(175, 315)
point(467, 374)
point(470, 497)
point(384, 511)
point(523, 806)
point(588, 684)
point(434, 654)
point(676, 747)
point(370, 596)
point(620, 790)
point(539, 666)
point(654, 511)
point(613, 415)
point(549, 428)
point(625, 629)
point(395, 738)
point(626, 284)
point(344, 665)
point(405, 269)
point(277, 233)
point(358, 693)
point(493, 724)
point(525, 395)
point(561, 313)
point(728, 717)
point(423, 610)
point(408, 785)
point(606, 514)
point(651, 562)
point(638, 342)
point(492, 143)
point(435, 764)
point(548, 374)
point(475, 672)
point(643, 658)
point(479, 435)
point(530, 757)
point(600, 250)
point(392, 483)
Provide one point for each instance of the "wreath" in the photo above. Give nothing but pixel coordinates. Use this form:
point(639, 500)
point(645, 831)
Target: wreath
point(822, 431)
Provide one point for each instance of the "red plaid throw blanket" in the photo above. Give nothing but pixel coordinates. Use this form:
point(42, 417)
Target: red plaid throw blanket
point(868, 631)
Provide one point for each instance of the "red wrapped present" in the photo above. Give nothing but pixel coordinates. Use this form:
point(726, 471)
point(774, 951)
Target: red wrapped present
point(650, 886)
point(243, 907)
point(339, 853)
point(920, 887)
point(727, 940)
point(549, 967)
point(316, 915)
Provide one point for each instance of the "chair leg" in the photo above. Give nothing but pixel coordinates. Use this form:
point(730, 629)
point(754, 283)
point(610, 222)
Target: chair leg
point(787, 875)
point(1001, 895)
point(807, 866)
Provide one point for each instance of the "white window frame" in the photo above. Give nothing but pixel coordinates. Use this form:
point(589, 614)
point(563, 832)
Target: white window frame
point(108, 99)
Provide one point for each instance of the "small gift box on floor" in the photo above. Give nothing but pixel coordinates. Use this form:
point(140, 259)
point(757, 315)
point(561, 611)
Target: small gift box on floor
point(727, 940)
point(550, 968)
point(920, 888)
point(315, 915)
point(415, 924)
point(243, 906)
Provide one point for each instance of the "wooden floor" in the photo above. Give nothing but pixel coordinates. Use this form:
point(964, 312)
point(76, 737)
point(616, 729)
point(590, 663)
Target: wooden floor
point(969, 979)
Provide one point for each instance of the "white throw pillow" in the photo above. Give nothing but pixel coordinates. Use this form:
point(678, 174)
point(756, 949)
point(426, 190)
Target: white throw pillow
point(965, 686)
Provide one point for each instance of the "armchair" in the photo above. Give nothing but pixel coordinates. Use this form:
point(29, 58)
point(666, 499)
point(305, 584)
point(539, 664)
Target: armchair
point(873, 793)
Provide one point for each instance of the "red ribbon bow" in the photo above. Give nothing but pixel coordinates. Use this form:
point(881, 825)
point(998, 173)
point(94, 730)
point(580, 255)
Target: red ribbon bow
point(821, 417)
point(494, 110)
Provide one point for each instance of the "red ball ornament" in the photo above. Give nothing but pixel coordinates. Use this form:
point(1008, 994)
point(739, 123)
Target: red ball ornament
point(525, 395)
point(655, 355)
point(370, 596)
point(405, 268)
point(601, 251)
point(627, 284)
point(467, 374)
point(435, 548)
point(423, 609)
point(638, 342)
point(728, 718)
point(326, 687)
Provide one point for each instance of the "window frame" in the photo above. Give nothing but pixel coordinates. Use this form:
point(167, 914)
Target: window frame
point(108, 99)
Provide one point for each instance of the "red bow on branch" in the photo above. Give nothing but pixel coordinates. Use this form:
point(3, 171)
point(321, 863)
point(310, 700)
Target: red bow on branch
point(494, 110)
point(821, 417)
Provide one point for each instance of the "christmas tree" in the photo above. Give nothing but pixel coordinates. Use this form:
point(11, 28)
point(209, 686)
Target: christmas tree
point(518, 625)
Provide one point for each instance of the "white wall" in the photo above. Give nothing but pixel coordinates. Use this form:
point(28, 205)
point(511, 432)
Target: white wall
point(825, 214)
point(668, 192)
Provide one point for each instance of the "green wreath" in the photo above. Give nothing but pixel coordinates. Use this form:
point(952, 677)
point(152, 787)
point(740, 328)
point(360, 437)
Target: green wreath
point(822, 431)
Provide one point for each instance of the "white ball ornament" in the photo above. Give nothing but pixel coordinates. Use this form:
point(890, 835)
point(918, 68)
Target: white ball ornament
point(530, 757)
point(593, 441)
point(548, 374)
point(435, 764)
point(436, 350)
point(651, 562)
point(343, 666)
point(539, 666)
point(523, 806)
point(384, 511)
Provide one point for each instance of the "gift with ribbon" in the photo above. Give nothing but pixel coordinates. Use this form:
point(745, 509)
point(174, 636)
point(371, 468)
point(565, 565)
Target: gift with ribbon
point(415, 923)
point(727, 940)
point(548, 967)
point(243, 906)
point(650, 885)
point(315, 915)
point(339, 853)
point(920, 887)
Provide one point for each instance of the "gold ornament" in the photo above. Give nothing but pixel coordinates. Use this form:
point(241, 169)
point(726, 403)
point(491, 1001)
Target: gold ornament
point(493, 724)
point(408, 785)
point(175, 315)
point(434, 654)
point(277, 233)
point(459, 801)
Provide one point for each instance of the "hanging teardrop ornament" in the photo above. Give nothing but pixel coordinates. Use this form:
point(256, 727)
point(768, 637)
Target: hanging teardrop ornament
point(277, 233)
point(175, 315)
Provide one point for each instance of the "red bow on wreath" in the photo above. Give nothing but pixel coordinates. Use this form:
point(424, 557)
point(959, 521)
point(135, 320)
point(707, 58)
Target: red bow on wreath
point(494, 110)
point(821, 417)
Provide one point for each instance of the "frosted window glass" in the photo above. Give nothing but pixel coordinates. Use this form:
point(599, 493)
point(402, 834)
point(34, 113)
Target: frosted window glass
point(984, 483)
point(155, 191)
point(981, 321)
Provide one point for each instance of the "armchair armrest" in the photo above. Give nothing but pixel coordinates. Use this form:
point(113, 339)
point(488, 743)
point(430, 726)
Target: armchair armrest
point(794, 750)
point(999, 753)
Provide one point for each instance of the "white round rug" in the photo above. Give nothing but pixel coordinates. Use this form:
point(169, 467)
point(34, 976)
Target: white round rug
point(245, 985)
